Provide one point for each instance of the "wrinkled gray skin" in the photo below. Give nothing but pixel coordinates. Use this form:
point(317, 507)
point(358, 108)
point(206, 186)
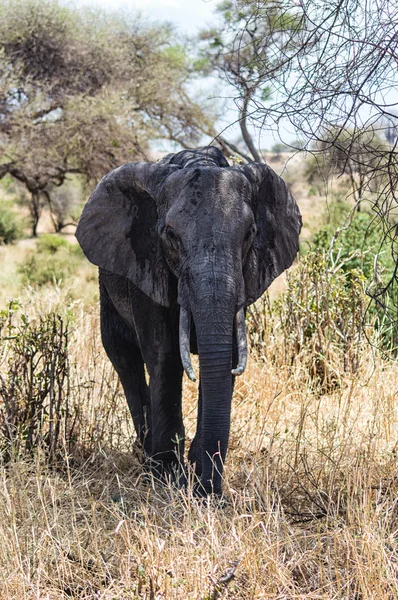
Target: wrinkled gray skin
point(187, 235)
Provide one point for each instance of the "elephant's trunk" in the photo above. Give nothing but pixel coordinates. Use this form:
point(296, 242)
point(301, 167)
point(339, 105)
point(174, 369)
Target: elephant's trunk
point(210, 296)
point(215, 357)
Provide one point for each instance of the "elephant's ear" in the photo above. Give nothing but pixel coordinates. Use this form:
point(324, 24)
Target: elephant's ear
point(278, 222)
point(118, 227)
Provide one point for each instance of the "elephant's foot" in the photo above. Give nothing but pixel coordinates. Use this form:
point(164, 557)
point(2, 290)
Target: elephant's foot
point(217, 499)
point(199, 488)
point(166, 472)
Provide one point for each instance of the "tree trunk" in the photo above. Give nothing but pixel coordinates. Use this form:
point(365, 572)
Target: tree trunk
point(35, 211)
point(245, 132)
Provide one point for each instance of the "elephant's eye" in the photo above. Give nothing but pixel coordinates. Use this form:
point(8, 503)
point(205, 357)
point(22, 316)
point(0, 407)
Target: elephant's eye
point(250, 233)
point(170, 234)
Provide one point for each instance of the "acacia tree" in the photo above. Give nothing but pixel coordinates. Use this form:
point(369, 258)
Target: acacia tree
point(240, 50)
point(83, 92)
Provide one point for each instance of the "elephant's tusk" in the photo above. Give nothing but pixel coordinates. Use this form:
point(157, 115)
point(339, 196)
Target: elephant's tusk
point(240, 327)
point(185, 326)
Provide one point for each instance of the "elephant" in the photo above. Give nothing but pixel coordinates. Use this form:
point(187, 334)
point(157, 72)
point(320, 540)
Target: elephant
point(183, 247)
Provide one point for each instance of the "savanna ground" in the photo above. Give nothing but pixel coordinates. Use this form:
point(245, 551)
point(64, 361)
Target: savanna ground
point(311, 506)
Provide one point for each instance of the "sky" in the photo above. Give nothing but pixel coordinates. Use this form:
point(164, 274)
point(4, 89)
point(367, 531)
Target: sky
point(189, 15)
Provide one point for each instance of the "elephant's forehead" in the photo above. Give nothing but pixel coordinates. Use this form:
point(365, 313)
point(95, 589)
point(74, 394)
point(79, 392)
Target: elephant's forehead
point(221, 188)
point(232, 182)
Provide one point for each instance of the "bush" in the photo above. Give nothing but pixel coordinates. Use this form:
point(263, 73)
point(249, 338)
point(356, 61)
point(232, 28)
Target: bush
point(50, 244)
point(325, 318)
point(52, 406)
point(34, 386)
point(10, 225)
point(361, 246)
point(280, 147)
point(358, 244)
point(55, 259)
point(321, 319)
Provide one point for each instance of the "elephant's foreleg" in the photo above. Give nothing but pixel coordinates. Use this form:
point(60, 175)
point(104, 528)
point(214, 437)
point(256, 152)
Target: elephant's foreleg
point(168, 433)
point(120, 346)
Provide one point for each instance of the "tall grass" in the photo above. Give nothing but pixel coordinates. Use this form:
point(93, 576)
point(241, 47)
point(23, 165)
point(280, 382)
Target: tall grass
point(310, 482)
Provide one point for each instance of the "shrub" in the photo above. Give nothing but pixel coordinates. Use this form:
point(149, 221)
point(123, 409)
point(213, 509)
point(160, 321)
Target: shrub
point(10, 225)
point(34, 386)
point(320, 319)
point(359, 244)
point(55, 259)
point(59, 393)
point(280, 147)
point(50, 244)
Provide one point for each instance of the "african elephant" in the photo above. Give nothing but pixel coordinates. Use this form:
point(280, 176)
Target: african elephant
point(183, 246)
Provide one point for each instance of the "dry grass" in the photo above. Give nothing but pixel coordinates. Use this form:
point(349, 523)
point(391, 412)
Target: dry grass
point(310, 481)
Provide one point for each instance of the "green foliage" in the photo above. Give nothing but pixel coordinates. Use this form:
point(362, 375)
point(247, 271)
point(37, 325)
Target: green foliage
point(265, 94)
point(35, 385)
point(321, 319)
point(177, 55)
point(10, 224)
point(359, 244)
point(54, 260)
point(247, 42)
point(325, 317)
point(355, 242)
point(50, 244)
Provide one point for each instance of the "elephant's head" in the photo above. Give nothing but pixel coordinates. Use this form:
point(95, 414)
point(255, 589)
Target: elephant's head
point(224, 232)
